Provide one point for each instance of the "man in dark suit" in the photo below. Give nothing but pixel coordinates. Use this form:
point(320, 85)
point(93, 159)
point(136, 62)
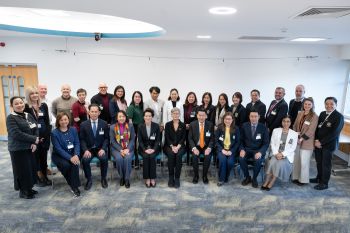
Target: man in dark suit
point(330, 124)
point(94, 143)
point(201, 140)
point(254, 143)
point(102, 99)
point(256, 105)
point(296, 105)
point(277, 110)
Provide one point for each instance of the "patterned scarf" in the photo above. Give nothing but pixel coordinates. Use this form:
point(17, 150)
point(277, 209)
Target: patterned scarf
point(124, 136)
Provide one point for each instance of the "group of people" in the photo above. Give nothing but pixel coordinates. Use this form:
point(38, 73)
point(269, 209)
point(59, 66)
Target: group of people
point(282, 136)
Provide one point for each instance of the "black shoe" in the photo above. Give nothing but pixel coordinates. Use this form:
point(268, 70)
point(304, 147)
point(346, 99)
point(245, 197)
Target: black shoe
point(127, 184)
point(177, 183)
point(104, 183)
point(246, 181)
point(300, 184)
point(321, 187)
point(88, 184)
point(148, 185)
point(295, 181)
point(41, 183)
point(26, 194)
point(153, 185)
point(122, 182)
point(315, 180)
point(195, 179)
point(205, 180)
point(33, 192)
point(220, 183)
point(76, 192)
point(254, 183)
point(265, 188)
point(171, 183)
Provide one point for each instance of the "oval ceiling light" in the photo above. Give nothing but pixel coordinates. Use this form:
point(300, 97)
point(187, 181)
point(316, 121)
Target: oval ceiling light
point(308, 39)
point(71, 23)
point(222, 10)
point(204, 37)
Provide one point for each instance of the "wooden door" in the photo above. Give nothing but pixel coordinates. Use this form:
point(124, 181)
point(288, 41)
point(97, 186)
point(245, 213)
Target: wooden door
point(14, 80)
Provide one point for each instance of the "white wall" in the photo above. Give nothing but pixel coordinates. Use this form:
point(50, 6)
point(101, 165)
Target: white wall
point(261, 66)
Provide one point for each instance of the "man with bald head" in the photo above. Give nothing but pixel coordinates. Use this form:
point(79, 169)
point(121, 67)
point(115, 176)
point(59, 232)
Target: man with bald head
point(64, 102)
point(296, 105)
point(102, 99)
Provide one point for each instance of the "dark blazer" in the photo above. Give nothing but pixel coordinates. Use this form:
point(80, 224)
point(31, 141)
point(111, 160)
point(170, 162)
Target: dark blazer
point(328, 133)
point(239, 114)
point(209, 137)
point(173, 137)
point(20, 135)
point(113, 110)
point(87, 138)
point(145, 142)
point(193, 115)
point(97, 99)
point(252, 144)
point(293, 113)
point(274, 119)
point(234, 137)
point(260, 107)
point(210, 110)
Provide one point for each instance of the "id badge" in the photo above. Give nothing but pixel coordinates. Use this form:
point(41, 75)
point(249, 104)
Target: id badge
point(208, 134)
point(290, 141)
point(32, 126)
point(41, 114)
point(273, 113)
point(101, 107)
point(258, 137)
point(233, 137)
point(70, 146)
point(236, 114)
point(320, 125)
point(39, 126)
point(192, 115)
point(221, 138)
point(121, 137)
point(152, 137)
point(307, 122)
point(101, 132)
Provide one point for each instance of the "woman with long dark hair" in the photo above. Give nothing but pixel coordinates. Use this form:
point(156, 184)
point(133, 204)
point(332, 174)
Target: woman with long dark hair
point(117, 103)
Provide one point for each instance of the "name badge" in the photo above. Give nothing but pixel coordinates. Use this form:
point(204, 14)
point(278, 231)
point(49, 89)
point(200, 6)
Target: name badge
point(39, 126)
point(307, 122)
point(290, 141)
point(152, 137)
point(101, 132)
point(233, 137)
point(121, 137)
point(329, 124)
point(70, 146)
point(221, 138)
point(101, 107)
point(32, 126)
point(320, 125)
point(208, 134)
point(236, 114)
point(41, 114)
point(192, 114)
point(273, 113)
point(258, 136)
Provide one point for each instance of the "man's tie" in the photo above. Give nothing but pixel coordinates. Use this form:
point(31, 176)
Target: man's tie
point(273, 104)
point(201, 136)
point(253, 130)
point(94, 128)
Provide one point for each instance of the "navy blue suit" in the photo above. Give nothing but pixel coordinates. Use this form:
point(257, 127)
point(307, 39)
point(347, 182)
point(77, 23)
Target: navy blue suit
point(94, 143)
point(252, 144)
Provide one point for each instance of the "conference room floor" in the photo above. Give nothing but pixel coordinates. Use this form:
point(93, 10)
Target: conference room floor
point(192, 208)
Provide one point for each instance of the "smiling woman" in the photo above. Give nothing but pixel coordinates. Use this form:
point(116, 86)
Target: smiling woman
point(70, 23)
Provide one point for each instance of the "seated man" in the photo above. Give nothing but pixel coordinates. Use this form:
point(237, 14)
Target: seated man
point(201, 140)
point(94, 143)
point(254, 143)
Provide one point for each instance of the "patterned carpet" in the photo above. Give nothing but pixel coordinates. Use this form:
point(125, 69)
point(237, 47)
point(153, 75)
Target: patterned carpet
point(192, 208)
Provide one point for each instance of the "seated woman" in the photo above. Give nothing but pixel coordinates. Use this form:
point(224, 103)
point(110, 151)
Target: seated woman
point(66, 151)
point(174, 146)
point(122, 136)
point(149, 147)
point(227, 140)
point(283, 144)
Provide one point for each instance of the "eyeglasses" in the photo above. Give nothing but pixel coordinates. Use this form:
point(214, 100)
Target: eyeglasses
point(103, 87)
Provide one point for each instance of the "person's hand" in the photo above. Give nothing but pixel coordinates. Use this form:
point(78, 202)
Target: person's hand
point(122, 153)
point(318, 144)
point(257, 155)
point(300, 141)
point(196, 151)
point(224, 152)
point(149, 151)
point(75, 160)
point(33, 147)
point(242, 153)
point(229, 153)
point(279, 156)
point(37, 140)
point(187, 126)
point(101, 152)
point(207, 151)
point(175, 149)
point(126, 151)
point(87, 154)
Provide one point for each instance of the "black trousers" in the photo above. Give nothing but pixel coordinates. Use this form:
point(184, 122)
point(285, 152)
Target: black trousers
point(206, 162)
point(136, 128)
point(149, 166)
point(103, 164)
point(324, 164)
point(24, 169)
point(68, 170)
point(174, 162)
point(41, 157)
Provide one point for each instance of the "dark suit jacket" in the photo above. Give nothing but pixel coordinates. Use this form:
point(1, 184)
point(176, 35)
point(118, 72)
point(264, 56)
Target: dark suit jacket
point(97, 99)
point(292, 112)
point(328, 133)
point(240, 115)
point(87, 138)
point(235, 140)
point(146, 142)
point(193, 135)
point(274, 119)
point(260, 107)
point(252, 144)
point(173, 137)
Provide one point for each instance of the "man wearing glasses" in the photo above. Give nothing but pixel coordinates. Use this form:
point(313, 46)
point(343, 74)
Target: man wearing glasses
point(102, 99)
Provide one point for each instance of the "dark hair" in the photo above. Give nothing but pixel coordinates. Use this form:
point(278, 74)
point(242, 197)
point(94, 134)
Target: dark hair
point(233, 125)
point(59, 116)
point(287, 116)
point(174, 89)
point(226, 99)
point(255, 90)
point(132, 99)
point(239, 96)
point(201, 109)
point(115, 98)
point(154, 88)
point(94, 105)
point(254, 110)
point(150, 110)
point(124, 113)
point(211, 98)
point(331, 98)
point(195, 99)
point(13, 99)
point(81, 90)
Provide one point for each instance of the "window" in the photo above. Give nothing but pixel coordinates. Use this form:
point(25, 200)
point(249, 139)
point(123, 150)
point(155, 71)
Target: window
point(11, 86)
point(347, 99)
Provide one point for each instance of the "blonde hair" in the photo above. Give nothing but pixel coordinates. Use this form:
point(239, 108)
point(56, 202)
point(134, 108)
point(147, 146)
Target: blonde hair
point(30, 90)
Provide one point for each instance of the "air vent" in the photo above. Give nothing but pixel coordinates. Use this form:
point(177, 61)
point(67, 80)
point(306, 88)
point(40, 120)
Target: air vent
point(324, 12)
point(260, 38)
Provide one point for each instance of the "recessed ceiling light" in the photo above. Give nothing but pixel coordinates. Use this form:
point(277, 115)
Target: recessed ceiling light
point(310, 39)
point(222, 10)
point(204, 36)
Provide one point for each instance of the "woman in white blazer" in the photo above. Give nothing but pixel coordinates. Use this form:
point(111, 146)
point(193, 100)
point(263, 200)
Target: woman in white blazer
point(280, 163)
point(173, 101)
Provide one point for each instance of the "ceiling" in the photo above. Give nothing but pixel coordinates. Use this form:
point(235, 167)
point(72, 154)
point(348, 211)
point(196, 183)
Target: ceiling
point(185, 19)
